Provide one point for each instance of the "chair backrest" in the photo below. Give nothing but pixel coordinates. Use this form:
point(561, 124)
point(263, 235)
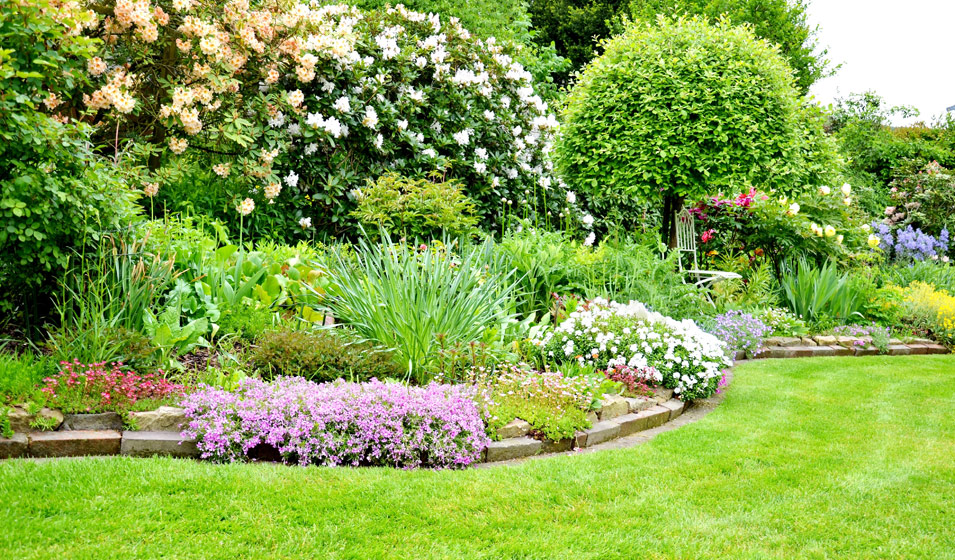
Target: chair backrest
point(686, 235)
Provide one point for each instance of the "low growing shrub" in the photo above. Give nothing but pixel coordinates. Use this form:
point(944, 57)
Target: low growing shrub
point(321, 356)
point(931, 309)
point(415, 208)
point(100, 387)
point(375, 423)
point(21, 375)
point(553, 404)
point(607, 334)
point(782, 322)
point(741, 331)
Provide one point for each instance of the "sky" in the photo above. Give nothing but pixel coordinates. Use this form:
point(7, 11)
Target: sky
point(904, 50)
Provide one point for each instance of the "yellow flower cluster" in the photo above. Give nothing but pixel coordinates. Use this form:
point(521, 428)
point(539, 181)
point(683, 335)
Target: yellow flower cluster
point(933, 308)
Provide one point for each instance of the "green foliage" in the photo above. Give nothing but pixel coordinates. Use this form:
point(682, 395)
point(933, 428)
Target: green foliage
point(103, 302)
point(783, 322)
point(404, 300)
point(684, 109)
point(56, 195)
point(941, 276)
point(321, 355)
point(21, 374)
point(415, 208)
point(877, 152)
point(821, 293)
point(782, 22)
point(922, 197)
point(549, 263)
point(575, 26)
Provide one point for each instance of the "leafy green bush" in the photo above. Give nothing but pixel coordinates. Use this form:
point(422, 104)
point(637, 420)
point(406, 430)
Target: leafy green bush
point(681, 110)
point(940, 275)
point(21, 375)
point(321, 356)
point(820, 293)
point(415, 208)
point(782, 22)
point(56, 196)
point(549, 263)
point(416, 302)
point(553, 404)
point(922, 197)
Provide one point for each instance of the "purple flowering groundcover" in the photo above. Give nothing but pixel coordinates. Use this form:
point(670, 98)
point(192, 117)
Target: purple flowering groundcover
point(339, 423)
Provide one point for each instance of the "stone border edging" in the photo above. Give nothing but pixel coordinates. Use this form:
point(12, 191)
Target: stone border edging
point(818, 346)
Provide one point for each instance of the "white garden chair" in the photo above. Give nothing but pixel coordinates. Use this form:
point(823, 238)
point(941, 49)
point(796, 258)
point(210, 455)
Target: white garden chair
point(686, 243)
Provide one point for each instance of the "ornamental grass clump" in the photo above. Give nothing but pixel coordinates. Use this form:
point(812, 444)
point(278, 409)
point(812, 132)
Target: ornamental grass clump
point(340, 423)
point(99, 387)
point(607, 334)
point(742, 332)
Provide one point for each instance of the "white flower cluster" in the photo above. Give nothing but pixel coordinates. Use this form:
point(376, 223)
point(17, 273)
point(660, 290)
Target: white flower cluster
point(388, 81)
point(609, 334)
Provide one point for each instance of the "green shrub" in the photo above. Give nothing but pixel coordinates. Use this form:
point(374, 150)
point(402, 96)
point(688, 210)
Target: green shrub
point(321, 356)
point(415, 208)
point(821, 293)
point(922, 197)
point(549, 263)
point(57, 196)
point(681, 110)
point(416, 302)
point(21, 376)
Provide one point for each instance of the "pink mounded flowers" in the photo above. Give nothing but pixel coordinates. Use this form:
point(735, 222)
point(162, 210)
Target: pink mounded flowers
point(96, 387)
point(339, 423)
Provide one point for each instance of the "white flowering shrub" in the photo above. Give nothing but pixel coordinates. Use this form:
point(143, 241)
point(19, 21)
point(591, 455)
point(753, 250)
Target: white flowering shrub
point(405, 91)
point(298, 105)
point(609, 334)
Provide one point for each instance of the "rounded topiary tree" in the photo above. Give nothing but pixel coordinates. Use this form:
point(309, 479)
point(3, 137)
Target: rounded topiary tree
point(679, 110)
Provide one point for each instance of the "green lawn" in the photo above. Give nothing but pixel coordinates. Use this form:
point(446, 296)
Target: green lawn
point(824, 458)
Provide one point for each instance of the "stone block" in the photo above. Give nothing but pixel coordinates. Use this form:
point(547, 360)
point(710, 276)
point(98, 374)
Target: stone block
point(917, 349)
point(592, 417)
point(163, 419)
point(514, 429)
point(631, 424)
point(807, 341)
point(147, 444)
point(899, 350)
point(777, 352)
point(92, 422)
point(789, 341)
point(842, 350)
point(559, 446)
point(826, 340)
point(675, 407)
point(656, 416)
point(601, 432)
point(802, 351)
point(934, 348)
point(662, 395)
point(867, 351)
point(75, 443)
point(740, 355)
point(820, 351)
point(613, 406)
point(516, 448)
point(16, 446)
point(20, 419)
point(772, 341)
point(640, 403)
point(846, 341)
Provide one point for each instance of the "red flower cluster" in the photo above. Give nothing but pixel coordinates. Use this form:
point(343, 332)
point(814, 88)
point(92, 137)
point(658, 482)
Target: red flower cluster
point(94, 387)
point(637, 380)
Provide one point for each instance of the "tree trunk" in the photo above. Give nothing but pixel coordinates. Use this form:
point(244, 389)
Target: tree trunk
point(671, 207)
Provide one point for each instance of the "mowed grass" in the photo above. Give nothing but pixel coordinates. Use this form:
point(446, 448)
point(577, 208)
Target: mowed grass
point(822, 458)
